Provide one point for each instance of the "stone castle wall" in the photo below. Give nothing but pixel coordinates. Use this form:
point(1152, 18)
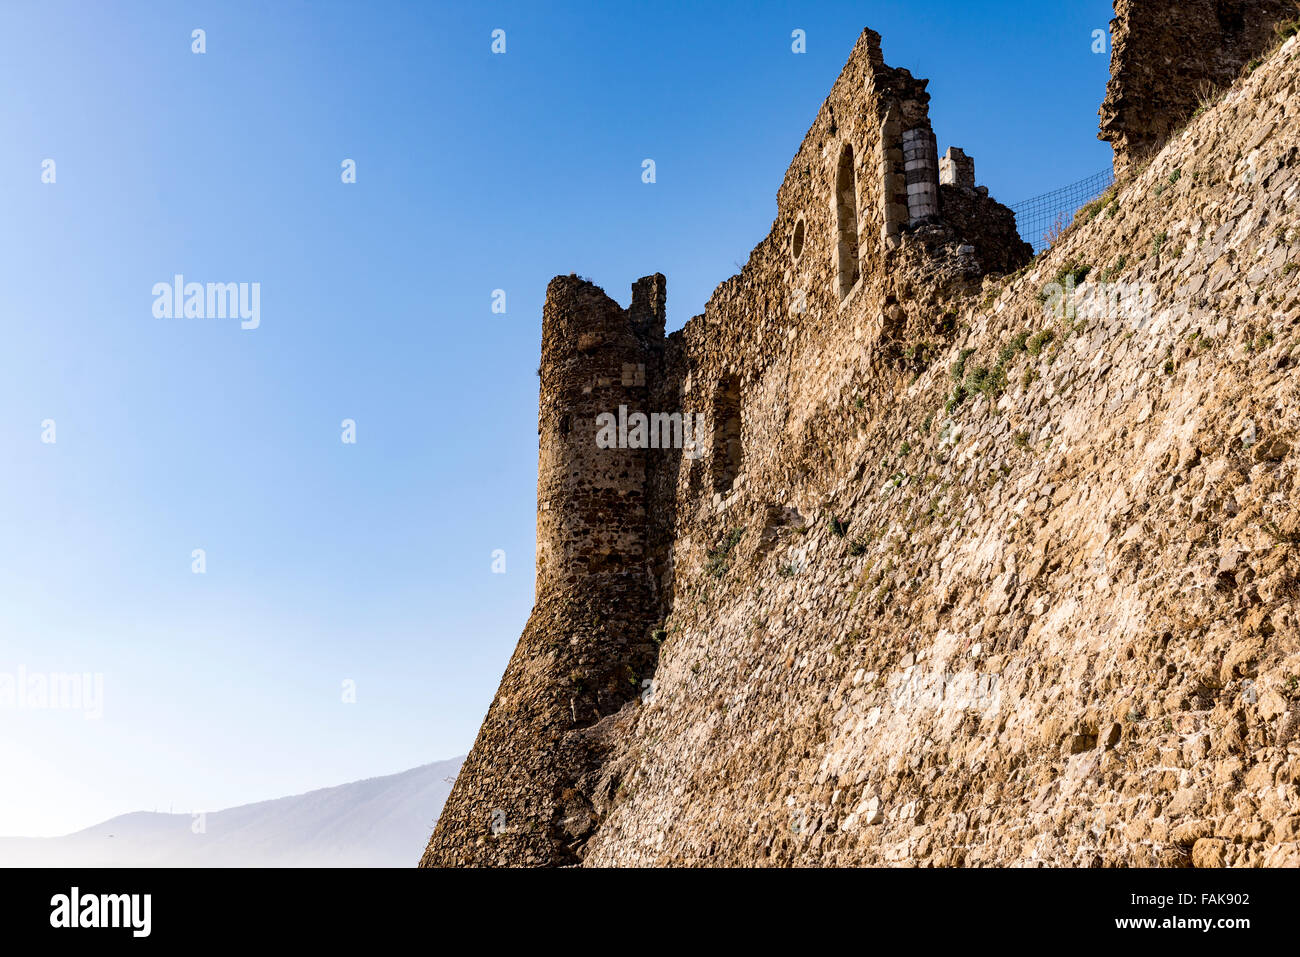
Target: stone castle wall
point(957, 578)
point(862, 194)
point(1170, 56)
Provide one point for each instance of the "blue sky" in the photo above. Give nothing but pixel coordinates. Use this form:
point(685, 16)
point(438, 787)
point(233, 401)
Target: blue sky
point(370, 562)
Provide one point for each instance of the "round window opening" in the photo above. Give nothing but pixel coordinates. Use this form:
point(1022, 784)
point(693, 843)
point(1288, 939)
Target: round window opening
point(796, 241)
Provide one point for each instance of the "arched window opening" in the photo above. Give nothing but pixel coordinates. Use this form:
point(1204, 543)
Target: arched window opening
point(846, 220)
point(725, 457)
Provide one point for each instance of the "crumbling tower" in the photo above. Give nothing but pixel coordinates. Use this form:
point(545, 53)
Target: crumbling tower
point(523, 795)
point(591, 501)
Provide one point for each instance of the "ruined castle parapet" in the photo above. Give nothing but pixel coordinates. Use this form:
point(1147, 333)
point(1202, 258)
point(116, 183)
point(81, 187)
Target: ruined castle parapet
point(985, 225)
point(1168, 57)
point(957, 169)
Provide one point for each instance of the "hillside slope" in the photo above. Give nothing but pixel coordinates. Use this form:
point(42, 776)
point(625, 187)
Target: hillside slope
point(378, 822)
point(1046, 617)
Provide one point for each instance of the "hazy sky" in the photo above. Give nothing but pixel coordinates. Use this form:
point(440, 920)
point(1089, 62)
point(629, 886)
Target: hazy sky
point(371, 562)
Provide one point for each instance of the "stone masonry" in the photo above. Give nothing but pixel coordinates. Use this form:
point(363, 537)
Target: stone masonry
point(982, 562)
point(610, 520)
point(1168, 57)
point(957, 169)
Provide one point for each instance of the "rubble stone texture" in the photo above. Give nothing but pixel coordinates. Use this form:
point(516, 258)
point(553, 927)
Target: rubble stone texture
point(980, 567)
point(1169, 57)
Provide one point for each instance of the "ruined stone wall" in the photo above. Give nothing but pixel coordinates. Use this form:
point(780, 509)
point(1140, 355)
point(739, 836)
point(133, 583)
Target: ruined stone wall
point(1024, 592)
point(987, 226)
point(974, 570)
point(1170, 56)
point(957, 169)
point(853, 294)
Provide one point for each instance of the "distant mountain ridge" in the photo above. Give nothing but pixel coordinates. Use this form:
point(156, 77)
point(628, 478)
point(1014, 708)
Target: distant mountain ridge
point(376, 822)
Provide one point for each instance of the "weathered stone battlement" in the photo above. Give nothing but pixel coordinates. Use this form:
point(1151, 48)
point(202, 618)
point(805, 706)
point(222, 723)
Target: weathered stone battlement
point(1169, 56)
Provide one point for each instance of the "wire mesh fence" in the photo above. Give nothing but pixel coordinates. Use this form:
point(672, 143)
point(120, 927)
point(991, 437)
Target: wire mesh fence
point(1041, 218)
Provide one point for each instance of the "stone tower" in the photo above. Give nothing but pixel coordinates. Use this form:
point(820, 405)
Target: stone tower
point(523, 797)
point(591, 501)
